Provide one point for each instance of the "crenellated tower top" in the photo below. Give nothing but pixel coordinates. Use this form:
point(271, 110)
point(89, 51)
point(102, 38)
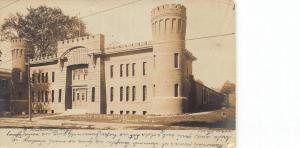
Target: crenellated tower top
point(168, 9)
point(168, 22)
point(18, 44)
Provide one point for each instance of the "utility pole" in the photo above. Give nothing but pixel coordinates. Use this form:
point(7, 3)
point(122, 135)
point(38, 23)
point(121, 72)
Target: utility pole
point(29, 84)
point(78, 26)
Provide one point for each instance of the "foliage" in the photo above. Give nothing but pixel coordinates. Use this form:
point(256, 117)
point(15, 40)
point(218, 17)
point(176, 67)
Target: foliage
point(228, 88)
point(42, 27)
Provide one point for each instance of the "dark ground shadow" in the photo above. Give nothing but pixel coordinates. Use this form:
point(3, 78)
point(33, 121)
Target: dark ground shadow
point(228, 124)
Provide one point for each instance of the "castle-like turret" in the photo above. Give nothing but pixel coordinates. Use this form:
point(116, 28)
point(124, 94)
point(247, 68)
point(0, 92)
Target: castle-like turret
point(168, 31)
point(19, 98)
point(18, 49)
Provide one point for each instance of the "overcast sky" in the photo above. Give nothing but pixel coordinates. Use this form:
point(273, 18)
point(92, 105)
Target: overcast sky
point(131, 23)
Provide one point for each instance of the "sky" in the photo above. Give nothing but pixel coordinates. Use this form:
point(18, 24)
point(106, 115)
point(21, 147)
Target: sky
point(216, 57)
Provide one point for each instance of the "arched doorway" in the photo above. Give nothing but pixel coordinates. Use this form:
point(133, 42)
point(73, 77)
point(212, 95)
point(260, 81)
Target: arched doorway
point(76, 62)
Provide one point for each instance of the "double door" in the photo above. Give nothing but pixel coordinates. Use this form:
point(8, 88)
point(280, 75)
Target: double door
point(79, 98)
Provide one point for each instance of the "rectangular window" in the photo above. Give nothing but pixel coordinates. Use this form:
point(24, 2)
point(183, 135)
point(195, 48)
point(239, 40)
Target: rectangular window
point(111, 71)
point(111, 94)
point(93, 94)
point(127, 112)
point(133, 93)
point(43, 77)
point(133, 69)
point(176, 90)
point(144, 112)
point(39, 77)
point(78, 95)
point(111, 112)
point(73, 94)
point(46, 96)
point(121, 112)
point(121, 94)
point(144, 68)
point(82, 96)
point(53, 76)
point(144, 92)
point(127, 93)
point(127, 70)
point(133, 112)
point(121, 70)
point(59, 95)
point(46, 77)
point(32, 78)
point(52, 95)
point(176, 60)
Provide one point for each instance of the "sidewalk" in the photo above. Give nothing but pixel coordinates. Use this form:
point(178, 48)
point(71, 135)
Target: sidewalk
point(40, 122)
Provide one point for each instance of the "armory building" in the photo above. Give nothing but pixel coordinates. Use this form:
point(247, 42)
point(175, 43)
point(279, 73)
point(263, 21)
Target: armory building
point(152, 77)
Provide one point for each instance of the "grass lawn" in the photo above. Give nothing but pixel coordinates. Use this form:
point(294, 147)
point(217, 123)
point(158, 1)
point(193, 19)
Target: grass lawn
point(218, 119)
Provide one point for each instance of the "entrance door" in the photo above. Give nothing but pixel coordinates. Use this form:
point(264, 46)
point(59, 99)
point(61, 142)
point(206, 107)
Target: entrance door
point(79, 98)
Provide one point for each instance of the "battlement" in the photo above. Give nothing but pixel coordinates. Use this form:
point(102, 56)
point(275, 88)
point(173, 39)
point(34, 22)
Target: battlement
point(78, 40)
point(17, 43)
point(92, 42)
point(126, 47)
point(43, 59)
point(168, 9)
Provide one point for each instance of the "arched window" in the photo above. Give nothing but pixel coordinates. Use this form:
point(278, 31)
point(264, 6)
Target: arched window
point(93, 94)
point(133, 69)
point(127, 93)
point(173, 25)
point(179, 25)
point(121, 93)
point(127, 70)
point(111, 71)
point(121, 70)
point(160, 26)
point(144, 68)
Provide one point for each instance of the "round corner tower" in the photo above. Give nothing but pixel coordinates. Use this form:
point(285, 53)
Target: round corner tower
point(168, 32)
point(19, 76)
point(18, 50)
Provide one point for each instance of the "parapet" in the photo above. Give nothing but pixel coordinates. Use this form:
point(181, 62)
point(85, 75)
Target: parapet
point(43, 59)
point(92, 41)
point(18, 44)
point(168, 9)
point(128, 47)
